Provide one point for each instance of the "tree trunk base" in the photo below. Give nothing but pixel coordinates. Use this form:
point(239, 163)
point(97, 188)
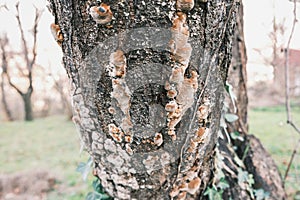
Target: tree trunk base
point(266, 174)
point(256, 177)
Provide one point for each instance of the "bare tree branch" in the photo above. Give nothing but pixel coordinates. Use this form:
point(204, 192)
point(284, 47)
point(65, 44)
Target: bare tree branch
point(287, 72)
point(59, 87)
point(34, 32)
point(4, 6)
point(29, 63)
point(291, 160)
point(266, 60)
point(25, 47)
point(38, 15)
point(12, 55)
point(3, 43)
point(287, 88)
point(13, 85)
point(29, 55)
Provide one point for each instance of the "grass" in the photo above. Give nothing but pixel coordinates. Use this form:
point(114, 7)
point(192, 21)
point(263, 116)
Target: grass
point(279, 138)
point(53, 144)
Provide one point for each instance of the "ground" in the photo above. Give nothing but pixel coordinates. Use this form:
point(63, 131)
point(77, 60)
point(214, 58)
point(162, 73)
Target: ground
point(50, 145)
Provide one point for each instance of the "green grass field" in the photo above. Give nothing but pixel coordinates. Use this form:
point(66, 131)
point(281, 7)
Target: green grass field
point(279, 138)
point(53, 144)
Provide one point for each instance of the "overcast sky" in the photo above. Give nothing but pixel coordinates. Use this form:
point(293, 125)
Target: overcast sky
point(258, 23)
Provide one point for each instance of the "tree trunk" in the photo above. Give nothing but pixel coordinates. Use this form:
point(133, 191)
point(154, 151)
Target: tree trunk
point(28, 105)
point(4, 102)
point(256, 160)
point(29, 55)
point(238, 75)
point(148, 90)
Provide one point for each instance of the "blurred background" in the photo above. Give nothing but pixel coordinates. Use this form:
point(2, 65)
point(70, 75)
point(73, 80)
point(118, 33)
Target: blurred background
point(39, 144)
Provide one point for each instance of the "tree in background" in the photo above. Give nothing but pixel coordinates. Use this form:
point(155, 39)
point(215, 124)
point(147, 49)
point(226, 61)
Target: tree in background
point(64, 95)
point(17, 74)
point(59, 81)
point(3, 44)
point(277, 46)
point(276, 59)
point(148, 79)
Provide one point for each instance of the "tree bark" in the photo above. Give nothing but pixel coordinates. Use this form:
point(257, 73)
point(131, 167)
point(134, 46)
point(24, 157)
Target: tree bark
point(3, 44)
point(28, 105)
point(4, 102)
point(238, 74)
point(256, 160)
point(128, 78)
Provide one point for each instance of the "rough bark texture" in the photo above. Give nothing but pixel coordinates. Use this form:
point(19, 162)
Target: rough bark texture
point(112, 111)
point(259, 163)
point(238, 74)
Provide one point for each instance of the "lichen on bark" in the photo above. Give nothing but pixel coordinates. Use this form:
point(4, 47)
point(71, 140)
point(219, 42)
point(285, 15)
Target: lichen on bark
point(142, 31)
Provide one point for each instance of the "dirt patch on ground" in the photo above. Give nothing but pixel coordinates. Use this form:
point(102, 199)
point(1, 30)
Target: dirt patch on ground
point(29, 185)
